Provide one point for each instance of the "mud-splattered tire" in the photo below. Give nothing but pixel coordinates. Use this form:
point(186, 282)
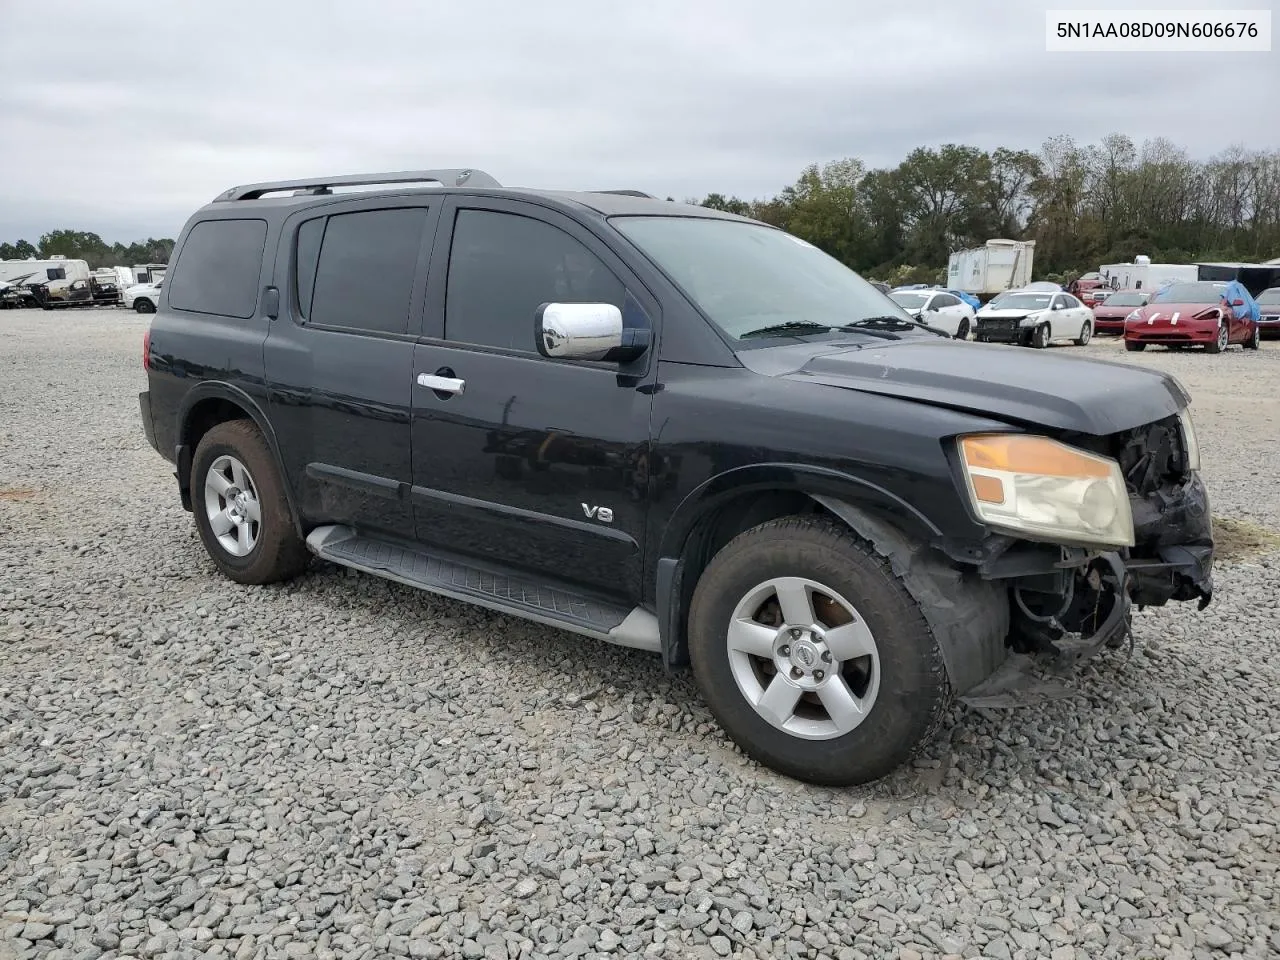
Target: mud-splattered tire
point(238, 498)
point(768, 634)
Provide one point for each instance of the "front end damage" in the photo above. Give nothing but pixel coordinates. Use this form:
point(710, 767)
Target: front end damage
point(1068, 604)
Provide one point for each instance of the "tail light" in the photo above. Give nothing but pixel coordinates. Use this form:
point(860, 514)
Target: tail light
point(146, 350)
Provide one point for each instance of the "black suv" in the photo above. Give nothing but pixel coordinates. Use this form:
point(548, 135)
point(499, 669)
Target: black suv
point(671, 428)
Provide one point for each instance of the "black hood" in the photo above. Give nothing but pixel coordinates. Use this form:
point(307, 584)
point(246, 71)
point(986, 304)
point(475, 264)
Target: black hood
point(1010, 383)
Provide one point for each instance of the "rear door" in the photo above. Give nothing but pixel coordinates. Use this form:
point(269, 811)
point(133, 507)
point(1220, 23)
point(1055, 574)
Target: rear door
point(518, 459)
point(339, 358)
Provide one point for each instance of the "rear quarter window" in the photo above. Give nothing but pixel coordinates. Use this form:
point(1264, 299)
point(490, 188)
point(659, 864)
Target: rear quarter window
point(218, 268)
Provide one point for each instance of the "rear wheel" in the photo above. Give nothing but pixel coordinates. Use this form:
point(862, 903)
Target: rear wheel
point(1086, 334)
point(1255, 339)
point(1133, 346)
point(1220, 341)
point(240, 508)
point(812, 654)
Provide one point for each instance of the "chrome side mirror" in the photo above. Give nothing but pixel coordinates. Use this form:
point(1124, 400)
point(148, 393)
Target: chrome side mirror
point(586, 331)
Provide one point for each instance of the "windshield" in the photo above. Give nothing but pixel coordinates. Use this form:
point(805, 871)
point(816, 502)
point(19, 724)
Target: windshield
point(1022, 301)
point(752, 280)
point(1125, 300)
point(1270, 297)
point(910, 301)
point(1191, 293)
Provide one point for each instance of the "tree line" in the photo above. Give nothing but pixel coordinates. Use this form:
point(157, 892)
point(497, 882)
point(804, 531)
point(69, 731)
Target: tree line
point(1084, 205)
point(80, 245)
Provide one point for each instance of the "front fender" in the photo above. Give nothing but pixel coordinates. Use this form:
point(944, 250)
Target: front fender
point(774, 477)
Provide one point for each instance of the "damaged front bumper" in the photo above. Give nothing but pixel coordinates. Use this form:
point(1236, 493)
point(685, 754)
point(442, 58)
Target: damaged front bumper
point(1084, 604)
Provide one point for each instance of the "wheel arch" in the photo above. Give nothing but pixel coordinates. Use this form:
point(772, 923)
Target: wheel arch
point(209, 404)
point(732, 502)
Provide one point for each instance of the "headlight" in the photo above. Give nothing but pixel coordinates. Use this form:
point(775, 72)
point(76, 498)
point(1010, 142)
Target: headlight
point(1046, 490)
point(1190, 444)
point(1136, 315)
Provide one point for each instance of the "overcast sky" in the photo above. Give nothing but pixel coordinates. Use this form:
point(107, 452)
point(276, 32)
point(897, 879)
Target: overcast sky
point(124, 117)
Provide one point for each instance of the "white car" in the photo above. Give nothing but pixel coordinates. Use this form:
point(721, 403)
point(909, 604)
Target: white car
point(1034, 318)
point(937, 308)
point(143, 297)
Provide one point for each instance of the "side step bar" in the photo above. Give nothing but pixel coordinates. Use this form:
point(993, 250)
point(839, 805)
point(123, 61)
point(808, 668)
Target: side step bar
point(517, 594)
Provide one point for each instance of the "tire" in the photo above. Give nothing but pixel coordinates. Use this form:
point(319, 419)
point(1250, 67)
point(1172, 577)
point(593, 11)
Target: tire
point(272, 549)
point(1133, 346)
point(962, 332)
point(143, 305)
point(1040, 338)
point(902, 683)
point(1255, 341)
point(1086, 334)
point(1220, 342)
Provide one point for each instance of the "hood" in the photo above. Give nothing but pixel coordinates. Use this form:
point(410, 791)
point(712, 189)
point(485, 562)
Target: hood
point(1034, 387)
point(1113, 313)
point(1185, 311)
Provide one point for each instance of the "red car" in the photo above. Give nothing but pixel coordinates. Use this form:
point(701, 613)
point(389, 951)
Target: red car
point(1090, 288)
point(1192, 314)
point(1108, 316)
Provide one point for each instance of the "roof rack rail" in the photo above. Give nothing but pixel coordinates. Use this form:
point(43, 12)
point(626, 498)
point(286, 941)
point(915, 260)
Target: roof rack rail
point(319, 186)
point(628, 193)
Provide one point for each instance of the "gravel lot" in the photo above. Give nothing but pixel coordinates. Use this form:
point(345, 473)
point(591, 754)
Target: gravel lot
point(343, 767)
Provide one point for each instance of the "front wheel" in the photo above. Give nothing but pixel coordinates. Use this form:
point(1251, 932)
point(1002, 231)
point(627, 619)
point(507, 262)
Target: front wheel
point(1255, 340)
point(1220, 341)
point(1086, 334)
point(143, 305)
point(1134, 346)
point(962, 332)
point(812, 654)
point(1040, 339)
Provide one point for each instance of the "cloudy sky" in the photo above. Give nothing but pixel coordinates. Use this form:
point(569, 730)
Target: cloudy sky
point(122, 118)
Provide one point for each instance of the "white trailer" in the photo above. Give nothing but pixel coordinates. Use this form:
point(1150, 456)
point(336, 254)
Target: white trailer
point(18, 276)
point(1146, 276)
point(997, 266)
point(25, 272)
point(149, 272)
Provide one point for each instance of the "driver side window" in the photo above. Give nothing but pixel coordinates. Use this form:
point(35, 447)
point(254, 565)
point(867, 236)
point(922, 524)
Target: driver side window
point(502, 266)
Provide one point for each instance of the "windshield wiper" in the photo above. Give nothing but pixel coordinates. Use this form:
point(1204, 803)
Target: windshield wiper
point(787, 327)
point(881, 326)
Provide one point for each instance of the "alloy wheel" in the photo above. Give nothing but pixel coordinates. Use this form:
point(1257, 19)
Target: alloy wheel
point(803, 658)
point(232, 507)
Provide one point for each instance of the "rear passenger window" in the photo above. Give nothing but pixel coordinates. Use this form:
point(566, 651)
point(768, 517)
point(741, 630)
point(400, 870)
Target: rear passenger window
point(366, 267)
point(309, 235)
point(503, 266)
point(218, 268)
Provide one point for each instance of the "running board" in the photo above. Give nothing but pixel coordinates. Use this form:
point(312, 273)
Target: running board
point(517, 594)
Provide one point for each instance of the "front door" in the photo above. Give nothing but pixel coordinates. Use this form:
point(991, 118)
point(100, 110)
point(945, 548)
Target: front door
point(339, 358)
point(519, 459)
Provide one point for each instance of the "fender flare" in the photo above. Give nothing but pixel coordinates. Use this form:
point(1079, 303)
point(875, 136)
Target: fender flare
point(786, 477)
point(221, 390)
point(856, 494)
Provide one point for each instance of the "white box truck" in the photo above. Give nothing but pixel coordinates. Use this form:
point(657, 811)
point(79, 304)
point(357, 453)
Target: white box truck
point(996, 266)
point(1146, 276)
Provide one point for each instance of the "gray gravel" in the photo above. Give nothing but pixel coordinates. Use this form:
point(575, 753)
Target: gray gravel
point(342, 767)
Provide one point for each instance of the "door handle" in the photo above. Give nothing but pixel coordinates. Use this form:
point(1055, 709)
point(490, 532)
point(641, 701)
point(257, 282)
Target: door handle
point(441, 384)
